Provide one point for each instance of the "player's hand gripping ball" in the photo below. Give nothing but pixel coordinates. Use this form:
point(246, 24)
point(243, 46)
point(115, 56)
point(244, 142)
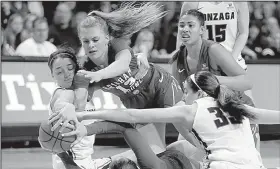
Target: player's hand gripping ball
point(52, 140)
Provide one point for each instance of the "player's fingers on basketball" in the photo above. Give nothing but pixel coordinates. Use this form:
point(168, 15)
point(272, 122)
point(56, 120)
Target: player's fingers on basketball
point(54, 117)
point(70, 126)
point(56, 124)
point(71, 133)
point(64, 125)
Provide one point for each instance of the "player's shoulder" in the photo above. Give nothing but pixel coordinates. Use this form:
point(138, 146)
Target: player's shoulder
point(209, 44)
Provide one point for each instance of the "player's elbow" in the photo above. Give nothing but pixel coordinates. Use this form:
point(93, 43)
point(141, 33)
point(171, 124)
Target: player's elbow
point(244, 35)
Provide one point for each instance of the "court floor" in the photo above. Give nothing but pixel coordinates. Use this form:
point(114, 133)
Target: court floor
point(36, 158)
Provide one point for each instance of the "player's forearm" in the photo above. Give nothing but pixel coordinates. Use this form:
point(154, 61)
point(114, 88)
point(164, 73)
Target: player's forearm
point(81, 95)
point(112, 115)
point(106, 127)
point(239, 44)
point(118, 67)
point(157, 115)
point(239, 83)
point(264, 116)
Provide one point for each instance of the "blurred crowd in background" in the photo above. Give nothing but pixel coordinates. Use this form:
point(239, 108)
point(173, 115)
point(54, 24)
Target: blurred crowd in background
point(38, 28)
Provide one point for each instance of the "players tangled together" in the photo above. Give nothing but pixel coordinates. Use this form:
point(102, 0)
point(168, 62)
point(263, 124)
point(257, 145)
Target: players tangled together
point(204, 98)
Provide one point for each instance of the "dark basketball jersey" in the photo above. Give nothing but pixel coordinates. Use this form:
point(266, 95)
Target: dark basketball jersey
point(125, 84)
point(183, 70)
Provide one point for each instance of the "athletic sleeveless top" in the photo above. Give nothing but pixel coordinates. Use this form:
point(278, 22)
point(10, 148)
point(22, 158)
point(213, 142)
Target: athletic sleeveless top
point(221, 22)
point(81, 150)
point(222, 138)
point(123, 85)
point(221, 25)
point(183, 70)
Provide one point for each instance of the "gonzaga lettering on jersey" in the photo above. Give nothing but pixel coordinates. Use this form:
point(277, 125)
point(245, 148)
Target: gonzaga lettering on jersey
point(219, 16)
point(220, 22)
point(221, 25)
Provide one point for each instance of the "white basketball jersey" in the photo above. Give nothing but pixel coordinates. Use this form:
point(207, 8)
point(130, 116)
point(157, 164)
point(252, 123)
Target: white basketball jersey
point(223, 139)
point(220, 22)
point(221, 25)
point(81, 152)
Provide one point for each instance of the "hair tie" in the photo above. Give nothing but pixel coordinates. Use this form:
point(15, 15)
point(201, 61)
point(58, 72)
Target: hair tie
point(91, 13)
point(193, 79)
point(217, 91)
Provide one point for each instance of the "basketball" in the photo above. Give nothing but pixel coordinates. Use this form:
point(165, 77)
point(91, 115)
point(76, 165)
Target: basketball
point(52, 140)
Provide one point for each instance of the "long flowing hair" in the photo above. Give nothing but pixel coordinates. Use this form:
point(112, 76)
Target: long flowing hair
point(131, 17)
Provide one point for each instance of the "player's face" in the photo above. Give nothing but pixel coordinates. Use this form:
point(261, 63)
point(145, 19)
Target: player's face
point(190, 29)
point(95, 42)
point(189, 95)
point(63, 71)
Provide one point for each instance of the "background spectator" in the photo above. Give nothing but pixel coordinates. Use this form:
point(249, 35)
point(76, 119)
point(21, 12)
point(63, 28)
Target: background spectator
point(144, 42)
point(6, 12)
point(27, 27)
point(105, 6)
point(36, 8)
point(37, 45)
point(263, 40)
point(61, 31)
point(20, 7)
point(13, 30)
point(6, 50)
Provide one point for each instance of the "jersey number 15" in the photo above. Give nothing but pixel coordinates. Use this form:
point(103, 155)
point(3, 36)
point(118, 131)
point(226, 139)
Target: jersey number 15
point(218, 34)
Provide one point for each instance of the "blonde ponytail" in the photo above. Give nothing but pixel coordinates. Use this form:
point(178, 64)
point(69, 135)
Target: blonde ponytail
point(131, 17)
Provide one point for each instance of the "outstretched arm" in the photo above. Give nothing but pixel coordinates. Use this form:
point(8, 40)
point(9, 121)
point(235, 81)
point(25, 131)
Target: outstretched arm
point(118, 67)
point(122, 59)
point(160, 115)
point(264, 116)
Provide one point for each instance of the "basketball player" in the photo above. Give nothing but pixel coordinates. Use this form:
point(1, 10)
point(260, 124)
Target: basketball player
point(217, 117)
point(157, 88)
point(228, 24)
point(63, 66)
